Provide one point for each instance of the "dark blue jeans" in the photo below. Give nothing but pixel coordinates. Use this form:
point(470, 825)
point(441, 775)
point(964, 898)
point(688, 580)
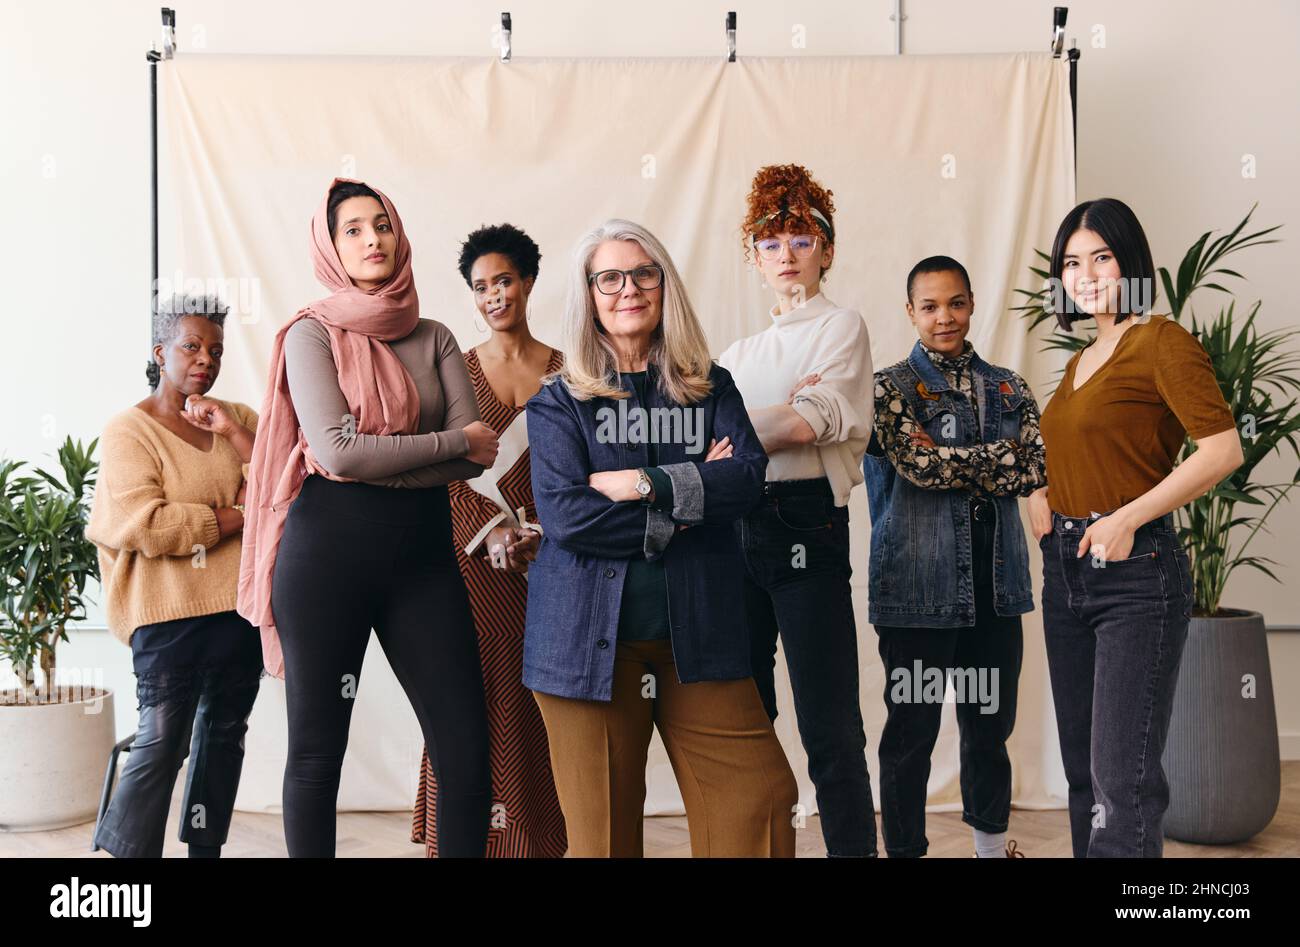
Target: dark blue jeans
point(796, 551)
point(986, 659)
point(1114, 635)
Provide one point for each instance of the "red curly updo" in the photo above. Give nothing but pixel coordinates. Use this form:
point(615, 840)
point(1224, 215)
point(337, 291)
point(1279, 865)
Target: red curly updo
point(783, 197)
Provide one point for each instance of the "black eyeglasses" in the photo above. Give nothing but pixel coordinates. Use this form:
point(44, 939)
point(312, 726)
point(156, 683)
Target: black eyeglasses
point(611, 282)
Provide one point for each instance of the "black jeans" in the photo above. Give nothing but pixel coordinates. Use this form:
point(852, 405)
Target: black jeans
point(189, 711)
point(1115, 633)
point(984, 663)
point(796, 550)
point(355, 556)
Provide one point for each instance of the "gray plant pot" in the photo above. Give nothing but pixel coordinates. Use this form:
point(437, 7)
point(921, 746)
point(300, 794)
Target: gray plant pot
point(1222, 758)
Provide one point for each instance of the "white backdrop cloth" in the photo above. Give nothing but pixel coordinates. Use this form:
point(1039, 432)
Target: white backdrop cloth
point(970, 156)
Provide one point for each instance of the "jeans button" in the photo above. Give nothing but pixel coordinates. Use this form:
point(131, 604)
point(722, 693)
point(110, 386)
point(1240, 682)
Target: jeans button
point(609, 573)
point(1069, 525)
point(602, 644)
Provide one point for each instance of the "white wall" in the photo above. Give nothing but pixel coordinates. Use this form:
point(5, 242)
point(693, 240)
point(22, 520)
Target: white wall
point(1180, 91)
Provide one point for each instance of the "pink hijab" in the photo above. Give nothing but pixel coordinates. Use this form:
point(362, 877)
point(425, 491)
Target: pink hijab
point(379, 391)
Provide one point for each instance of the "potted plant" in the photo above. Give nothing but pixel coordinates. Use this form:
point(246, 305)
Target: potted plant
point(56, 735)
point(1222, 755)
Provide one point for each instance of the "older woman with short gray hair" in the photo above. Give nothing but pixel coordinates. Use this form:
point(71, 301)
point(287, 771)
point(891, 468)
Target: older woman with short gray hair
point(167, 518)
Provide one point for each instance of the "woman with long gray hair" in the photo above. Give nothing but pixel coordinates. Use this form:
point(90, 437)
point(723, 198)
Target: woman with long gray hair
point(642, 458)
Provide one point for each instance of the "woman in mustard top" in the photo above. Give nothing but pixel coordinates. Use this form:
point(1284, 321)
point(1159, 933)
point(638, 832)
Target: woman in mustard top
point(1117, 589)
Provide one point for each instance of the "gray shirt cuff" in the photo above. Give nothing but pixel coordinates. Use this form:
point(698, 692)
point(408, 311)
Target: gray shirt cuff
point(659, 529)
point(688, 492)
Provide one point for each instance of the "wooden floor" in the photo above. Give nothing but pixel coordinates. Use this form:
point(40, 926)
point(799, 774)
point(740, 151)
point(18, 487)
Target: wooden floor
point(1039, 834)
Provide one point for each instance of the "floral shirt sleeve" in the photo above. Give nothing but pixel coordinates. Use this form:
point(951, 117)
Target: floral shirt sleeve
point(1007, 467)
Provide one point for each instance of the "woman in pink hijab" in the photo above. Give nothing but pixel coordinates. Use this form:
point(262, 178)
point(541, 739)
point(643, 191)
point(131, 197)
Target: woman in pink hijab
point(369, 414)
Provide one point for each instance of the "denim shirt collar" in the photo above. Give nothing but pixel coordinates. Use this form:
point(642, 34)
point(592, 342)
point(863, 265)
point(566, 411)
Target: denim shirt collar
point(921, 361)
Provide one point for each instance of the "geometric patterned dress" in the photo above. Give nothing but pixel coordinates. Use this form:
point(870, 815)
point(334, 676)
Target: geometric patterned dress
point(526, 818)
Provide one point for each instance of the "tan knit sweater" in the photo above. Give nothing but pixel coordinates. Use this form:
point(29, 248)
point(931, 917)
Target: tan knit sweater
point(153, 518)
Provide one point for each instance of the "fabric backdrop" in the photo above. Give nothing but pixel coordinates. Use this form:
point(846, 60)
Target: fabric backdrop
point(970, 156)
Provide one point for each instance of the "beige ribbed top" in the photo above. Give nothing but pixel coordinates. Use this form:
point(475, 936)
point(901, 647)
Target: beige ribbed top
point(434, 455)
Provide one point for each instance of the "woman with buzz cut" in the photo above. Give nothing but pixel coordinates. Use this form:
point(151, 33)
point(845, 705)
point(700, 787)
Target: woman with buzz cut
point(956, 443)
point(632, 619)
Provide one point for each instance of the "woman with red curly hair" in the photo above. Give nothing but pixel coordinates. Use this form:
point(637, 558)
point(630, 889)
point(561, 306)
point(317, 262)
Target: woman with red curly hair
point(808, 380)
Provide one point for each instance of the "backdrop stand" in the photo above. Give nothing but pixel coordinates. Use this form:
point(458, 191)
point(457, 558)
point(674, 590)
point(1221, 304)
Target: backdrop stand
point(153, 56)
point(1059, 15)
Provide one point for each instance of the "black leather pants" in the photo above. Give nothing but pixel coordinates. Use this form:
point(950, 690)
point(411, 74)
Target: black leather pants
point(202, 714)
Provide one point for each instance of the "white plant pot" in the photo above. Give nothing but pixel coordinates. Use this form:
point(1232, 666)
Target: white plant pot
point(53, 761)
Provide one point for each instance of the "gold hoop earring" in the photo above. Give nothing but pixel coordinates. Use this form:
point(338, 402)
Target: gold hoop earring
point(482, 330)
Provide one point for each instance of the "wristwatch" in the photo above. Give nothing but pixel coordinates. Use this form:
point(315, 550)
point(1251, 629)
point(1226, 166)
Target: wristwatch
point(645, 487)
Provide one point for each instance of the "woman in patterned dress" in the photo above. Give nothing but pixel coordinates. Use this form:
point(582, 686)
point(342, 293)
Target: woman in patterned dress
point(496, 537)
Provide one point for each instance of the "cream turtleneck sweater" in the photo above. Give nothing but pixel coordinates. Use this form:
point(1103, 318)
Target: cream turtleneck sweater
point(819, 336)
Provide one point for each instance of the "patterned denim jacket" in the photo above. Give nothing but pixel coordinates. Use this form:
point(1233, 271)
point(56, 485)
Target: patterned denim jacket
point(920, 571)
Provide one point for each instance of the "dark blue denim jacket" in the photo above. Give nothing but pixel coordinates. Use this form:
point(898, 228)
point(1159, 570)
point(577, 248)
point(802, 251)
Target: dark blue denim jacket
point(575, 586)
point(920, 568)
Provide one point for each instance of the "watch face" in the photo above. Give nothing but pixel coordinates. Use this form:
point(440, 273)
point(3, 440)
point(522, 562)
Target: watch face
point(643, 487)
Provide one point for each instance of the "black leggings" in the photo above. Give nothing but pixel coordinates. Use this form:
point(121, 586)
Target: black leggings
point(354, 557)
